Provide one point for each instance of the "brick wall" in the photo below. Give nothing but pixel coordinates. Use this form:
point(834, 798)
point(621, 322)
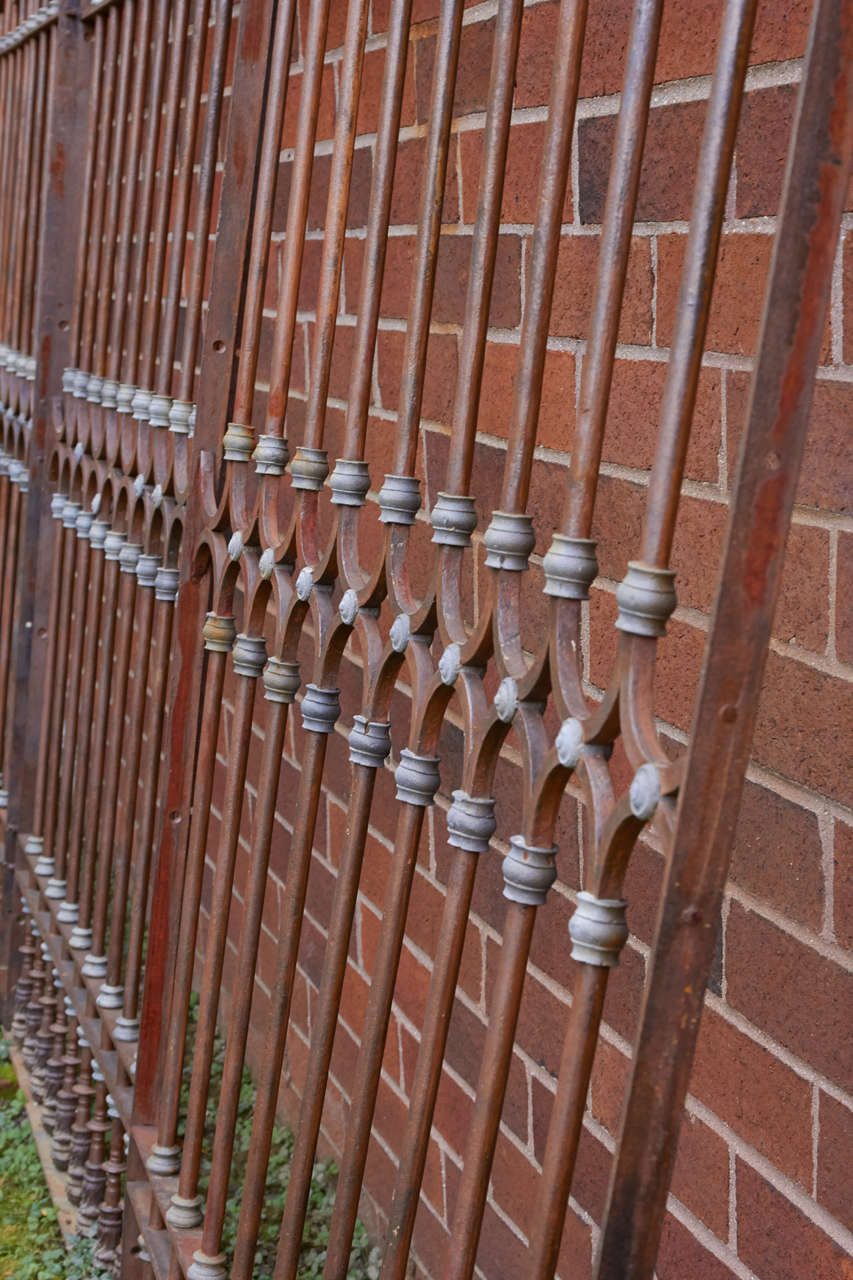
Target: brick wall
point(762, 1181)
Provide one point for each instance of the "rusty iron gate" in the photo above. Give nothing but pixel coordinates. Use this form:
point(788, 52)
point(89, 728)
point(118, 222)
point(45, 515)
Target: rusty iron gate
point(163, 530)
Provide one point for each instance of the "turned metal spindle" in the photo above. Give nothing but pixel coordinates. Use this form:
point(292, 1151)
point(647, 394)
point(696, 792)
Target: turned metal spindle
point(248, 656)
point(471, 819)
point(152, 281)
point(111, 995)
point(165, 590)
point(96, 961)
point(259, 251)
point(281, 681)
point(110, 213)
point(218, 635)
point(88, 191)
point(370, 744)
point(429, 230)
point(204, 191)
point(56, 885)
point(82, 933)
point(129, 196)
point(33, 1013)
point(71, 720)
point(17, 482)
point(35, 840)
point(94, 1174)
point(44, 1034)
point(110, 1211)
point(417, 780)
point(297, 213)
point(66, 1098)
point(69, 909)
point(24, 987)
point(144, 205)
point(54, 1071)
point(320, 710)
point(80, 1138)
point(96, 250)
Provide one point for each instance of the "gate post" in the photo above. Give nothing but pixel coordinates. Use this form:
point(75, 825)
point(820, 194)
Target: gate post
point(62, 197)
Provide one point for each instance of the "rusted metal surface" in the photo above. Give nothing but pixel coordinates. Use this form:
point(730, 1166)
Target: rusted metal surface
point(158, 546)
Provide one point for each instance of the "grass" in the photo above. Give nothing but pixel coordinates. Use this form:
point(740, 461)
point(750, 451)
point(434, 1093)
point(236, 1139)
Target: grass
point(31, 1244)
point(364, 1263)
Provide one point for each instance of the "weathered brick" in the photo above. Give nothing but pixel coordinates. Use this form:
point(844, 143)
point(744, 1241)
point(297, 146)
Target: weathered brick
point(681, 1255)
point(835, 1142)
point(761, 149)
point(633, 414)
point(777, 855)
point(826, 477)
point(738, 296)
point(700, 1179)
point(370, 100)
point(472, 77)
point(759, 1097)
point(574, 290)
point(797, 996)
point(451, 284)
point(670, 159)
point(556, 414)
point(439, 381)
point(776, 1239)
point(802, 616)
point(409, 173)
point(843, 887)
point(520, 177)
point(844, 598)
point(795, 699)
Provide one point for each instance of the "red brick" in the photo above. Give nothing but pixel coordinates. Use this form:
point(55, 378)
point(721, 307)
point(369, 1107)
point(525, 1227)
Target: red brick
point(826, 476)
point(574, 290)
point(781, 31)
point(556, 414)
point(520, 177)
point(794, 994)
point(439, 381)
point(681, 1255)
point(700, 1179)
point(472, 76)
point(326, 114)
point(516, 1183)
point(633, 414)
point(776, 1239)
point(501, 1254)
point(452, 280)
point(843, 894)
point(802, 615)
point(759, 1097)
point(575, 1258)
point(454, 1109)
point(738, 296)
point(408, 183)
point(536, 55)
point(835, 1142)
point(844, 598)
point(697, 551)
point(371, 92)
point(847, 274)
point(804, 728)
point(777, 855)
point(761, 149)
point(670, 159)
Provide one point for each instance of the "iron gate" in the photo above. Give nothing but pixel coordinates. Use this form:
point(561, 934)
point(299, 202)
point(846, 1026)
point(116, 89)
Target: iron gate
point(154, 549)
